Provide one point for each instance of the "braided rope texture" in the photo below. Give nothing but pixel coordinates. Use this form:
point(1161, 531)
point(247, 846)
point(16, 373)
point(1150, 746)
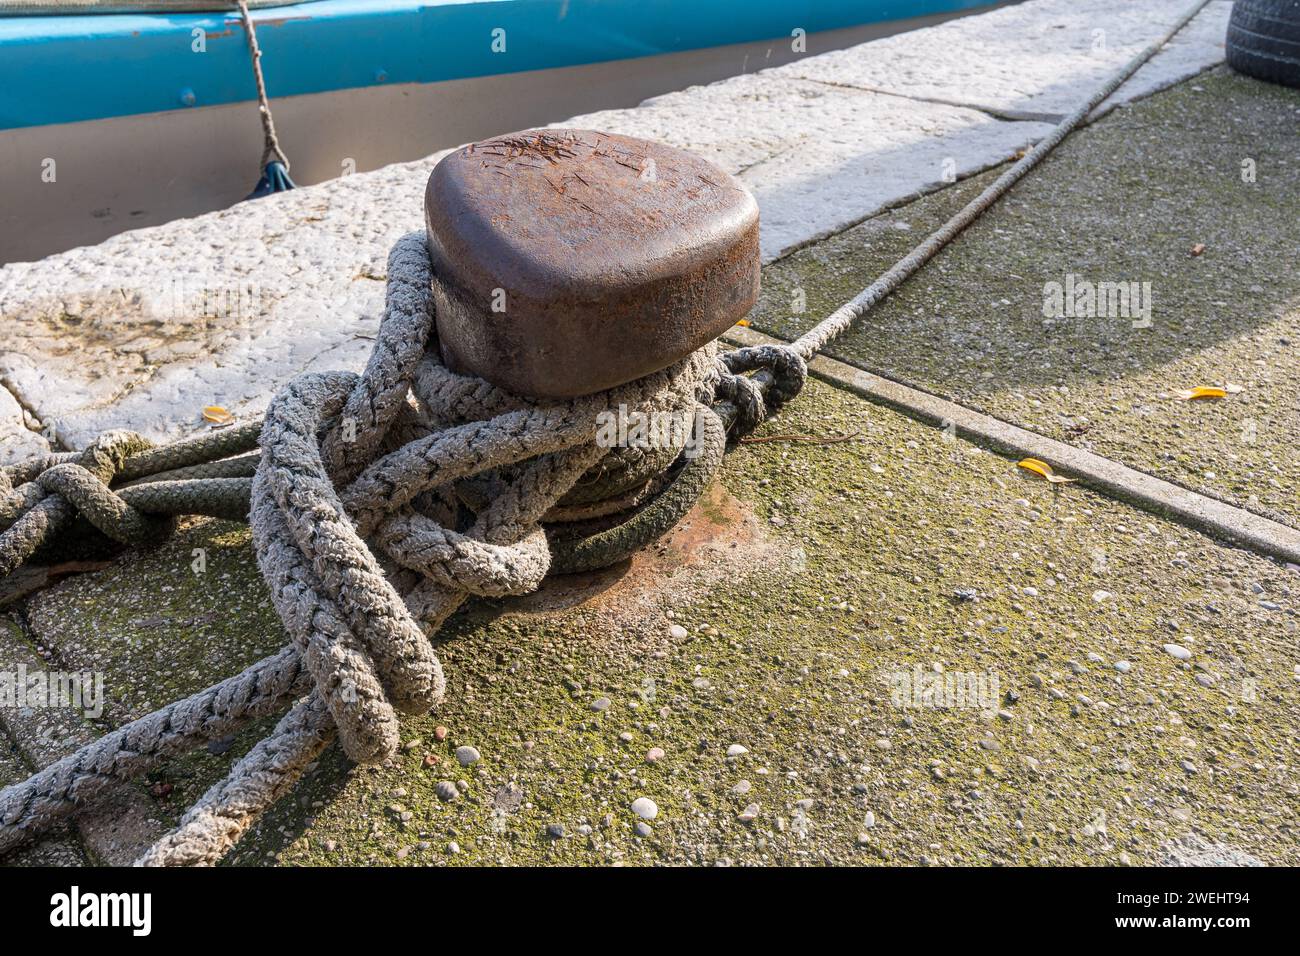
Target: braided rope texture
point(378, 503)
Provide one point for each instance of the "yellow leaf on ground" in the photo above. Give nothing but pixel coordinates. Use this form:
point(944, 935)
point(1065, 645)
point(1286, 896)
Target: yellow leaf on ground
point(217, 415)
point(1201, 391)
point(744, 322)
point(1044, 469)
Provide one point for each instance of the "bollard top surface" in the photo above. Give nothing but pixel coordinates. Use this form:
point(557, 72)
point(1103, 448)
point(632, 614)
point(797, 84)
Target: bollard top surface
point(570, 261)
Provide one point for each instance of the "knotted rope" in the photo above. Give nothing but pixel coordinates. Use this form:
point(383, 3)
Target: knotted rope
point(379, 503)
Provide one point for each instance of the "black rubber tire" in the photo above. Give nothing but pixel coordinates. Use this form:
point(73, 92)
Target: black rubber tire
point(1264, 40)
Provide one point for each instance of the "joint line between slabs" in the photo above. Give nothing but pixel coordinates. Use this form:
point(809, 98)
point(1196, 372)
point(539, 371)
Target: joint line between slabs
point(1164, 498)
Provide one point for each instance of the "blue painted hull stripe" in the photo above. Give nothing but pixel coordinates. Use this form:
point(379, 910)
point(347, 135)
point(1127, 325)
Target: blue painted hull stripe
point(64, 69)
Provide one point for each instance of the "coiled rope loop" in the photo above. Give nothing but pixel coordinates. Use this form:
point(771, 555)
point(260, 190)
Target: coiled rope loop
point(379, 503)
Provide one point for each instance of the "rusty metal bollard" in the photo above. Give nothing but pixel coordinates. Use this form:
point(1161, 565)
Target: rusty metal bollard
point(570, 261)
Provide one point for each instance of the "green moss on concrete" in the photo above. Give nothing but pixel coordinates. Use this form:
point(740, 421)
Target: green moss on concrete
point(868, 542)
point(160, 625)
point(1124, 200)
point(205, 611)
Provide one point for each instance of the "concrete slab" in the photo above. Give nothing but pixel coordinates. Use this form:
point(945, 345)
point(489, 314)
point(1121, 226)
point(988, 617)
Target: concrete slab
point(817, 586)
point(818, 157)
point(1126, 200)
point(145, 329)
point(221, 309)
point(18, 440)
point(1031, 60)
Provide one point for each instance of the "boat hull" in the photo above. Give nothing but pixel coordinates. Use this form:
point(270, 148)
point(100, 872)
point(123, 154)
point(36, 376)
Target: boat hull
point(77, 183)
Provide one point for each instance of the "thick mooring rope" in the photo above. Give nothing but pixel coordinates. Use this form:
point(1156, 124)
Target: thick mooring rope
point(357, 539)
point(379, 503)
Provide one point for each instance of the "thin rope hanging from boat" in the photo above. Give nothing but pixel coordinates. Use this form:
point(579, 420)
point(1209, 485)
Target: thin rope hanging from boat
point(274, 167)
